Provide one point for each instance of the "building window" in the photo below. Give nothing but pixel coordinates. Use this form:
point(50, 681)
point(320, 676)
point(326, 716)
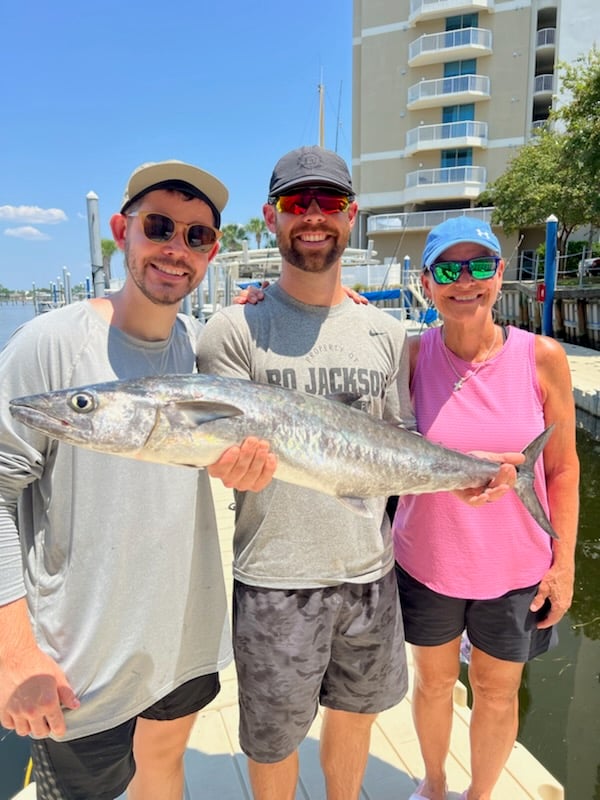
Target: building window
point(462, 21)
point(457, 158)
point(454, 26)
point(455, 70)
point(462, 113)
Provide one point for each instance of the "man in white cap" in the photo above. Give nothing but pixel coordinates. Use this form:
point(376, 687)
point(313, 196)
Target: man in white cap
point(113, 620)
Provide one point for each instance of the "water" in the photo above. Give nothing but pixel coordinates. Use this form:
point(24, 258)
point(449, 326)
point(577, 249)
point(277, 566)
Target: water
point(560, 696)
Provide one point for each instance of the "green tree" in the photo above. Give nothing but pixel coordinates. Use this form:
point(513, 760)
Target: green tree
point(542, 180)
point(233, 237)
point(108, 248)
point(581, 116)
point(257, 228)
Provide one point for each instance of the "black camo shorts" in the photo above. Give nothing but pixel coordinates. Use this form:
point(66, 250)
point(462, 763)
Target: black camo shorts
point(340, 646)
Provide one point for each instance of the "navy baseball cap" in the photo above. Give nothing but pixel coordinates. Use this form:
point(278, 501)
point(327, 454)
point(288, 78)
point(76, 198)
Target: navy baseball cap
point(458, 230)
point(310, 166)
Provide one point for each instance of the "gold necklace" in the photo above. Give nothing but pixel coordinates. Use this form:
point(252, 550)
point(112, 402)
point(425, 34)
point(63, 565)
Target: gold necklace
point(462, 379)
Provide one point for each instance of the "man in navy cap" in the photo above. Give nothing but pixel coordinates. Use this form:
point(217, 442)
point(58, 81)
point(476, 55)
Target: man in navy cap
point(316, 612)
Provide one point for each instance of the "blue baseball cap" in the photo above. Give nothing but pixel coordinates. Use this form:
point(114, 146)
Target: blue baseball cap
point(457, 230)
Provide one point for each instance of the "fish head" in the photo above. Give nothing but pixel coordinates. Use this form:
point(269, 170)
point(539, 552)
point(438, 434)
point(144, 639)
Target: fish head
point(113, 417)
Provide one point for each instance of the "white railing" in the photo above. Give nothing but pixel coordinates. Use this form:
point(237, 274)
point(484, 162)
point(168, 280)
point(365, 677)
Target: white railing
point(477, 84)
point(438, 7)
point(546, 37)
point(379, 223)
point(432, 135)
point(464, 37)
point(542, 83)
point(445, 175)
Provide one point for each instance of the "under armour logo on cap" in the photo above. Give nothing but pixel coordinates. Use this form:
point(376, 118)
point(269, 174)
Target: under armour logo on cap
point(458, 230)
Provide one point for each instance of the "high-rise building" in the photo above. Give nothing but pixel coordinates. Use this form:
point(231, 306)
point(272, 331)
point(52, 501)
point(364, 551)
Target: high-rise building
point(444, 94)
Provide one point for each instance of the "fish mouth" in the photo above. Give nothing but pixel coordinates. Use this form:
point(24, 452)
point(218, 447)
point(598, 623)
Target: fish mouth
point(40, 420)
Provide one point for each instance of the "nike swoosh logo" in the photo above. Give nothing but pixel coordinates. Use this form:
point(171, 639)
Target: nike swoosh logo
point(377, 333)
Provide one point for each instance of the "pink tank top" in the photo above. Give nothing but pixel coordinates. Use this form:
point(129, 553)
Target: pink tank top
point(475, 553)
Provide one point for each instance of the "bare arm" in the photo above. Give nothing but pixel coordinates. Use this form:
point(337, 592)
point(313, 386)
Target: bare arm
point(561, 466)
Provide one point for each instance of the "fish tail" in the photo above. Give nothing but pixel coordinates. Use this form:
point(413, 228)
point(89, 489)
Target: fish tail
point(524, 485)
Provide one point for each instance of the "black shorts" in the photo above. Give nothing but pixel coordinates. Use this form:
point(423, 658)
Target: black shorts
point(101, 766)
point(502, 627)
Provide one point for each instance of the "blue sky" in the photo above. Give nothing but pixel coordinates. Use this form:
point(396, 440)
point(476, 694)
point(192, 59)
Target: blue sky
point(88, 91)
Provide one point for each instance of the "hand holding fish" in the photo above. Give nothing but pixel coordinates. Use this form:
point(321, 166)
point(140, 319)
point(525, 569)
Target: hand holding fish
point(501, 483)
point(248, 467)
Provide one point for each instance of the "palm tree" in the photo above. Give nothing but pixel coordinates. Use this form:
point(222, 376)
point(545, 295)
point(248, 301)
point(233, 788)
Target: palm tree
point(109, 248)
point(233, 236)
point(257, 227)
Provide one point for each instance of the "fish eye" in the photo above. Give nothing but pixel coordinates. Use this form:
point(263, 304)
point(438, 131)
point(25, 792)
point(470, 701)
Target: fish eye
point(82, 402)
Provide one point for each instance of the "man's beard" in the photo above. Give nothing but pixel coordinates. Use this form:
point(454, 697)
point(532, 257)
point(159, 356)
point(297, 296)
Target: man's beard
point(310, 262)
point(168, 296)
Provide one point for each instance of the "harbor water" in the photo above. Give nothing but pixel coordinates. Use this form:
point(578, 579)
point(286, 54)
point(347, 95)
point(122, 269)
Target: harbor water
point(560, 695)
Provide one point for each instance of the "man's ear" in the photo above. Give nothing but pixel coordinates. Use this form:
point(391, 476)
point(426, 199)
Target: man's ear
point(118, 226)
point(270, 216)
point(352, 212)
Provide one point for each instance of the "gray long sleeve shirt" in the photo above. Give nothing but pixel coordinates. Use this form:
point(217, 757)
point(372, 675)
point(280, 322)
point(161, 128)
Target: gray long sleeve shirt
point(119, 560)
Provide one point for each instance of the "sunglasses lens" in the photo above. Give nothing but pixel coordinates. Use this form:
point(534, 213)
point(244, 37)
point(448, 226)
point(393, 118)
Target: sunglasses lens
point(201, 237)
point(300, 203)
point(446, 271)
point(158, 228)
point(483, 268)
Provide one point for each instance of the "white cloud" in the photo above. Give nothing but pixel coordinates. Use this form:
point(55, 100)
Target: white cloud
point(27, 232)
point(33, 214)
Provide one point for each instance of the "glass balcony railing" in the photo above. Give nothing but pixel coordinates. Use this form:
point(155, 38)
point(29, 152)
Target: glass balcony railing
point(546, 37)
point(427, 92)
point(437, 46)
point(438, 8)
point(543, 84)
point(446, 175)
point(430, 137)
point(417, 220)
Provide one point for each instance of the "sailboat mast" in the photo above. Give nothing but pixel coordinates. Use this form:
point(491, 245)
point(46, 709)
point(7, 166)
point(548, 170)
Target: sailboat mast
point(321, 114)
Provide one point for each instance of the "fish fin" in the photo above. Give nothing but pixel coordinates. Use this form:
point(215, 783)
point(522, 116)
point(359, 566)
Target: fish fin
point(357, 505)
point(524, 485)
point(346, 398)
point(200, 411)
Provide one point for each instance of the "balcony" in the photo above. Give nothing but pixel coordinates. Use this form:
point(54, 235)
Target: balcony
point(427, 9)
point(543, 88)
point(422, 220)
point(546, 37)
point(450, 46)
point(447, 135)
point(444, 183)
point(455, 90)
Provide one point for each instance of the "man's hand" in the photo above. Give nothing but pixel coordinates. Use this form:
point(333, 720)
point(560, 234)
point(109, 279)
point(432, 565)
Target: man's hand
point(503, 482)
point(359, 299)
point(248, 467)
point(33, 689)
point(252, 295)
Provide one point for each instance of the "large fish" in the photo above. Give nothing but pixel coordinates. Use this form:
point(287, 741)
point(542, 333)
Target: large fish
point(320, 443)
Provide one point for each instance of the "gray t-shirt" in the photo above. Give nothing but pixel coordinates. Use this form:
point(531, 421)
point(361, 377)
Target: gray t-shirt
point(286, 536)
point(119, 559)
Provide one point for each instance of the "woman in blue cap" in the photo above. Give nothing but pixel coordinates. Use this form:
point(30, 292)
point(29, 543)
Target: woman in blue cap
point(490, 570)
